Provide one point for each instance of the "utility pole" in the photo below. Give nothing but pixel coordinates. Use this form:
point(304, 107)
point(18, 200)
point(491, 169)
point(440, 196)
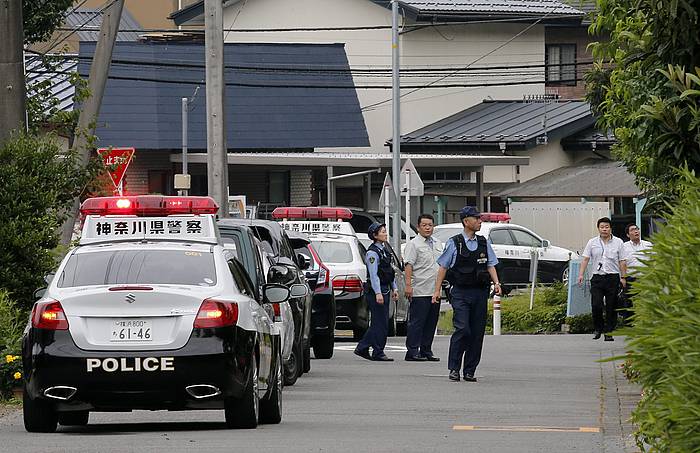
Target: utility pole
point(97, 80)
point(396, 126)
point(217, 156)
point(13, 104)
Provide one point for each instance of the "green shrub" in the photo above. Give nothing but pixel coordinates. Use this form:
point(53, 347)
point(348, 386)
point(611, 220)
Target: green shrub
point(664, 341)
point(12, 322)
point(547, 315)
point(580, 323)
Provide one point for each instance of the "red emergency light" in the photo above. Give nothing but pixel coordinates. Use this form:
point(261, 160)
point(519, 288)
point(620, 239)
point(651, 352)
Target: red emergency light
point(499, 217)
point(312, 213)
point(148, 206)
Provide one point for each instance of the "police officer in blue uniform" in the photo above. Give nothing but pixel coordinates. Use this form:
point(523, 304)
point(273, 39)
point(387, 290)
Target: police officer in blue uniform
point(380, 283)
point(469, 263)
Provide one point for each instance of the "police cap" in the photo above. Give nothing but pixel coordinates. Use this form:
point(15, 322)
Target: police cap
point(373, 229)
point(469, 211)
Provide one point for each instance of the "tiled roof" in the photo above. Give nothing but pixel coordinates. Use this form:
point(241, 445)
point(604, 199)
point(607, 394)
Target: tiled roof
point(590, 178)
point(511, 122)
point(141, 106)
point(57, 73)
point(88, 21)
point(510, 7)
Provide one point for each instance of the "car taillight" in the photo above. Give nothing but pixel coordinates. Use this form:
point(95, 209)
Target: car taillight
point(216, 313)
point(324, 278)
point(49, 315)
point(348, 283)
point(277, 311)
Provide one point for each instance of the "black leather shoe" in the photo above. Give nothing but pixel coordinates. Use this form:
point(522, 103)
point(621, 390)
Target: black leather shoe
point(596, 336)
point(382, 358)
point(469, 378)
point(609, 338)
point(431, 358)
point(454, 375)
point(364, 354)
point(415, 358)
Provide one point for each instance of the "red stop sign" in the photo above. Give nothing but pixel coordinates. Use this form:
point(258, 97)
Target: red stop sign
point(116, 160)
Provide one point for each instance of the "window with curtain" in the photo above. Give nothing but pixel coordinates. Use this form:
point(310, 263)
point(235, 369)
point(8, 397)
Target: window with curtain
point(560, 62)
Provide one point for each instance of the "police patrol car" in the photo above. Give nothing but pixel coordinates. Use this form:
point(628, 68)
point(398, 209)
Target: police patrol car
point(513, 245)
point(343, 253)
point(148, 313)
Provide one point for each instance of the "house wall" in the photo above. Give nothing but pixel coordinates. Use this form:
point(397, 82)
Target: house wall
point(456, 45)
point(580, 37)
point(149, 13)
point(145, 161)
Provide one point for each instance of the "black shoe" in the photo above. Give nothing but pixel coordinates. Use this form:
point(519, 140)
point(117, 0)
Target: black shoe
point(364, 354)
point(469, 378)
point(415, 358)
point(596, 336)
point(382, 358)
point(609, 338)
point(431, 358)
point(454, 375)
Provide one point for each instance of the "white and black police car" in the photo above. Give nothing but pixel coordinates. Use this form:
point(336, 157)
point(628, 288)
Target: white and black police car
point(148, 313)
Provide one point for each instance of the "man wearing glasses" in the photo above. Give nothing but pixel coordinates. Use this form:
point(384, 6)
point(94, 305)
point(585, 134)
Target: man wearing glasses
point(420, 258)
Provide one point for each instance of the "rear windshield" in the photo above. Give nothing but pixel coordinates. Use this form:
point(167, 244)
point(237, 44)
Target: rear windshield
point(116, 267)
point(333, 252)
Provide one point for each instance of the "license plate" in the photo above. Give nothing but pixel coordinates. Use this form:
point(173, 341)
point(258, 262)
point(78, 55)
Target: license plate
point(131, 330)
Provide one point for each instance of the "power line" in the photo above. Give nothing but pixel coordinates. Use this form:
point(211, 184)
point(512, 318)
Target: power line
point(77, 29)
point(426, 71)
point(325, 86)
point(520, 33)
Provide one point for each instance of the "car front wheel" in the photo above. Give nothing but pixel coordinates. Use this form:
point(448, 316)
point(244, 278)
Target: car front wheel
point(271, 407)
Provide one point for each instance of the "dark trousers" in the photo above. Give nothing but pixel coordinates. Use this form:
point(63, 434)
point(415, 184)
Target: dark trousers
point(422, 321)
point(626, 305)
point(604, 290)
point(378, 325)
point(469, 308)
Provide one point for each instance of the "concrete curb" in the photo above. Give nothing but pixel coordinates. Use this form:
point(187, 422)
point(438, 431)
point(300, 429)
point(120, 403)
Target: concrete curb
point(618, 398)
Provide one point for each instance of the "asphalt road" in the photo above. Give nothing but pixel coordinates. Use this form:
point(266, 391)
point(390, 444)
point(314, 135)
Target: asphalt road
point(535, 394)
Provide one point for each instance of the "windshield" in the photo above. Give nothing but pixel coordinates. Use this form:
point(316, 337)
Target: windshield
point(333, 252)
point(117, 267)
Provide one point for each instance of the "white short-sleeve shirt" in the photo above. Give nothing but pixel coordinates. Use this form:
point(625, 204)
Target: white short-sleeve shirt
point(631, 253)
point(604, 257)
point(422, 255)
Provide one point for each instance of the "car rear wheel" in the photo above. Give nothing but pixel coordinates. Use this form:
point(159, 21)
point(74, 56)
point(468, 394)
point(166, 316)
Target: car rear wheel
point(39, 415)
point(244, 412)
point(271, 407)
point(323, 346)
point(292, 367)
point(79, 418)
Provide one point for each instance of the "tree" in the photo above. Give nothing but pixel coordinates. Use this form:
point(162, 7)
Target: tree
point(39, 182)
point(645, 87)
point(42, 17)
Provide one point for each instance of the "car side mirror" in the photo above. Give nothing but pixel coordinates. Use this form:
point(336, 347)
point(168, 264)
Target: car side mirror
point(299, 290)
point(304, 263)
point(545, 243)
point(274, 293)
point(39, 293)
point(48, 278)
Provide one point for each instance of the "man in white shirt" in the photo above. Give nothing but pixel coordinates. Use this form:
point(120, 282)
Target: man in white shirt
point(632, 250)
point(608, 273)
point(421, 267)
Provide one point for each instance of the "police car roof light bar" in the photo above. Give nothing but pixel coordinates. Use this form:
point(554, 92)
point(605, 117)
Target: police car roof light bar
point(499, 217)
point(312, 213)
point(148, 206)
